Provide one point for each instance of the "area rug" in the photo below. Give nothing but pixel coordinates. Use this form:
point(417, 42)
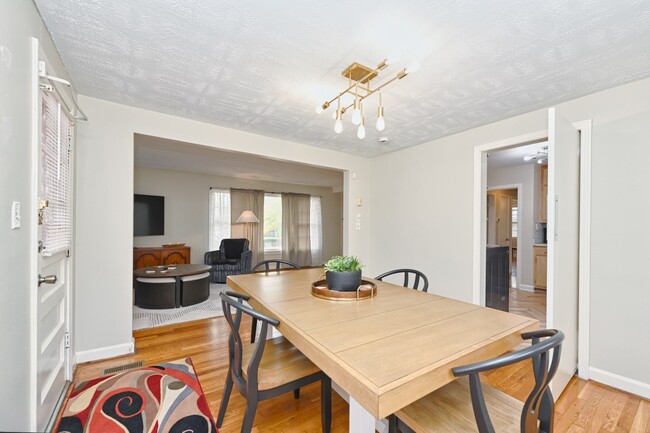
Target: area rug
point(144, 318)
point(162, 398)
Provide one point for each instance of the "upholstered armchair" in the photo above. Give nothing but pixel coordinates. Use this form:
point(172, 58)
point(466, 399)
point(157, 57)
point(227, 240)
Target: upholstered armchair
point(232, 258)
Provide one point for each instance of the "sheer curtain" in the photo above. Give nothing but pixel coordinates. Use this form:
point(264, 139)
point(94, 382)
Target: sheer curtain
point(219, 217)
point(253, 200)
point(296, 245)
point(316, 231)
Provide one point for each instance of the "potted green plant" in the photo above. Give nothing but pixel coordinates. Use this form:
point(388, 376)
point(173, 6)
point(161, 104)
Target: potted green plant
point(343, 273)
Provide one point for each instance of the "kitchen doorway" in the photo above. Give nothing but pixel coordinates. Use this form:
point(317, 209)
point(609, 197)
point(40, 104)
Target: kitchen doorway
point(567, 309)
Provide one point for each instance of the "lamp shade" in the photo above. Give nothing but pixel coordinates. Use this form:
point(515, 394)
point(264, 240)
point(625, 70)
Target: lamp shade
point(247, 217)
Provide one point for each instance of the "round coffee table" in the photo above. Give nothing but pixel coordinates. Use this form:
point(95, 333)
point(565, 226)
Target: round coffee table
point(147, 298)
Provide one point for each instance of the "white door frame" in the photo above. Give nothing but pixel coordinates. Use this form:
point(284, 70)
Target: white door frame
point(519, 187)
point(480, 229)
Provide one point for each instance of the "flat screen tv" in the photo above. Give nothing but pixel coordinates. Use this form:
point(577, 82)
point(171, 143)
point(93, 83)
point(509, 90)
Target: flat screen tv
point(148, 215)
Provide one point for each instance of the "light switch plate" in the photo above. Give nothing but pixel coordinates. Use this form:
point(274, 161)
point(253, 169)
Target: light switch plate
point(15, 215)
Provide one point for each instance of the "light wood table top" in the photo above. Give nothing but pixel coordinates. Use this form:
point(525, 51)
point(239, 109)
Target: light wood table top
point(386, 351)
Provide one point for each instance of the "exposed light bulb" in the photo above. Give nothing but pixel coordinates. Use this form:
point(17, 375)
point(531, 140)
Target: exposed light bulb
point(319, 109)
point(381, 123)
point(540, 161)
point(361, 130)
point(356, 113)
point(528, 157)
point(414, 66)
point(338, 126)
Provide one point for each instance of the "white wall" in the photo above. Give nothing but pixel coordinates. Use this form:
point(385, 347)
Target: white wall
point(427, 222)
point(186, 203)
point(19, 21)
point(104, 207)
point(523, 174)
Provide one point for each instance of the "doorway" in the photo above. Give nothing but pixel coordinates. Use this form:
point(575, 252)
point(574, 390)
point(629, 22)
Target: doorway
point(566, 141)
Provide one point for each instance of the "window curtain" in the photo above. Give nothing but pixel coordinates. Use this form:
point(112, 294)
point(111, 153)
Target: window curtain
point(253, 200)
point(219, 217)
point(296, 244)
point(316, 231)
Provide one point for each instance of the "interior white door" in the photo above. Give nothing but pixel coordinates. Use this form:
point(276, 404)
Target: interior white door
point(563, 241)
point(51, 310)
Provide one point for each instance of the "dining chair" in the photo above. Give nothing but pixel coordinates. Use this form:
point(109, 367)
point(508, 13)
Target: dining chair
point(407, 274)
point(268, 368)
point(277, 264)
point(447, 409)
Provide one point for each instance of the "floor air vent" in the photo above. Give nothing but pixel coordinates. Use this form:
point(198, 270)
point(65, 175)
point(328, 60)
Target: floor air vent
point(124, 367)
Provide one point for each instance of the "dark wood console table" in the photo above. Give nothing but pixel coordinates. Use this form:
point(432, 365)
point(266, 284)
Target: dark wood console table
point(144, 257)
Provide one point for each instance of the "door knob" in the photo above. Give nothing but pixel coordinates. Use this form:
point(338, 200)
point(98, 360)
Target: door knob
point(50, 279)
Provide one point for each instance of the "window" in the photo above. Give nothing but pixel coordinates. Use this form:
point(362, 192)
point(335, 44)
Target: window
point(56, 148)
point(272, 222)
point(515, 213)
point(316, 231)
point(219, 217)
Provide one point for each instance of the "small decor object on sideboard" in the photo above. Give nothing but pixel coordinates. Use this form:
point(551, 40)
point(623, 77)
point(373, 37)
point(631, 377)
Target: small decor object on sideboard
point(343, 273)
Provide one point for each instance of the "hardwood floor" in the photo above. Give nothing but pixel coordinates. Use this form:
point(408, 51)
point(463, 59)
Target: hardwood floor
point(529, 304)
point(584, 407)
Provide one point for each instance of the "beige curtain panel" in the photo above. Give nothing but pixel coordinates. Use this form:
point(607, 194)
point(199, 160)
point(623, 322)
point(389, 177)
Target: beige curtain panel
point(296, 226)
point(253, 200)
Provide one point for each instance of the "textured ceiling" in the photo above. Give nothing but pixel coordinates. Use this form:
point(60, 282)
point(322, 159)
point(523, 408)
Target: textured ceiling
point(262, 66)
point(514, 156)
point(176, 155)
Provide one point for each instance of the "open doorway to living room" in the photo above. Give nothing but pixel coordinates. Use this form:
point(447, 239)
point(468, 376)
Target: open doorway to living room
point(211, 201)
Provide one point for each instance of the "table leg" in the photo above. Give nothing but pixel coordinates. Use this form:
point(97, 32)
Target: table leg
point(361, 421)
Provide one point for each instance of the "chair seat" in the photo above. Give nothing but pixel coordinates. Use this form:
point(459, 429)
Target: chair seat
point(449, 409)
point(226, 262)
point(281, 363)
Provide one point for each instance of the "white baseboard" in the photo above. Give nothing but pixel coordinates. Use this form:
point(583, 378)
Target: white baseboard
point(526, 288)
point(620, 382)
point(104, 352)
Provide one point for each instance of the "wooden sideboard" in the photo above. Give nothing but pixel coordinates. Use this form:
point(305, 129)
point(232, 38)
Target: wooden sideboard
point(158, 256)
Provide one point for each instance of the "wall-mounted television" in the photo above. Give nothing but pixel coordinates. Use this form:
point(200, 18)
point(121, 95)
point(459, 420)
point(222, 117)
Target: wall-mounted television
point(148, 215)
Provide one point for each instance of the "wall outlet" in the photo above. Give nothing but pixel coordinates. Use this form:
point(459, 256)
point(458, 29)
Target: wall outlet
point(15, 215)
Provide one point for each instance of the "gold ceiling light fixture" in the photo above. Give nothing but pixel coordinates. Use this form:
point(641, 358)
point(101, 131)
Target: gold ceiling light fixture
point(360, 88)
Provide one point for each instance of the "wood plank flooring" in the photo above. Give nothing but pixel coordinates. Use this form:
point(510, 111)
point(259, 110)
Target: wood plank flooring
point(584, 407)
point(529, 304)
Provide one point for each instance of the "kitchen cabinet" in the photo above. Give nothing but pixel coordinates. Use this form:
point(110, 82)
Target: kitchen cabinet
point(539, 267)
point(543, 192)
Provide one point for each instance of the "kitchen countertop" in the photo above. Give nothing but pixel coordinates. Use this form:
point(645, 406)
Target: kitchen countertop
point(539, 245)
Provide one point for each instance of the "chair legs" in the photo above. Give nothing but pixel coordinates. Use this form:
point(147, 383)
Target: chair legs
point(326, 403)
point(224, 400)
point(253, 330)
point(249, 417)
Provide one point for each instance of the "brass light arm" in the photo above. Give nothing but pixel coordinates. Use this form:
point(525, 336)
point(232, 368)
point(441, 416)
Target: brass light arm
point(379, 67)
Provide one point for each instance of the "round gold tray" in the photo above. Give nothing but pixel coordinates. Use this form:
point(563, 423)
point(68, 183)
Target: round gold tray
point(366, 290)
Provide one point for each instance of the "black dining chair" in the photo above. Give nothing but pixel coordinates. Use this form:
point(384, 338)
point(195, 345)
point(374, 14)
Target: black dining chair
point(407, 273)
point(278, 265)
point(266, 369)
point(446, 410)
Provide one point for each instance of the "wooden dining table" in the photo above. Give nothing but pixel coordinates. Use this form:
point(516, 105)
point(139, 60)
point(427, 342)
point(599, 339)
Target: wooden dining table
point(386, 351)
